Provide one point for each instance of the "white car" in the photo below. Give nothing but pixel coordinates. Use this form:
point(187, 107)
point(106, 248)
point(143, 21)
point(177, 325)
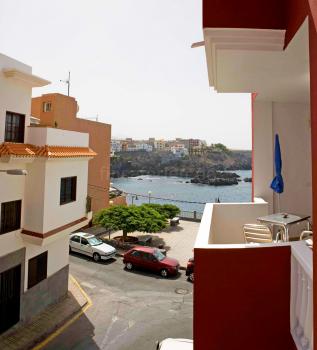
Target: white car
point(175, 344)
point(85, 243)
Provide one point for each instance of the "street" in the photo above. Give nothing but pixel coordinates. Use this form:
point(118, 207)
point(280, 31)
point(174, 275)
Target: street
point(131, 310)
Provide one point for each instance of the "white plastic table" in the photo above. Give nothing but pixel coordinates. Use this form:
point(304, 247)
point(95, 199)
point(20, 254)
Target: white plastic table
point(284, 220)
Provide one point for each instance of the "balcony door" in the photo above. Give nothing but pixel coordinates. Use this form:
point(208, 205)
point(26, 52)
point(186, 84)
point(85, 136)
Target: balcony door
point(10, 286)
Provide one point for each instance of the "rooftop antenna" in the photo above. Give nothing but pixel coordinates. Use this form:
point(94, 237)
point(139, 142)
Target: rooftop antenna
point(67, 81)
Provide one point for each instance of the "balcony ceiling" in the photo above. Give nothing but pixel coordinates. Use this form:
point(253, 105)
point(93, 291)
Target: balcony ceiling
point(254, 60)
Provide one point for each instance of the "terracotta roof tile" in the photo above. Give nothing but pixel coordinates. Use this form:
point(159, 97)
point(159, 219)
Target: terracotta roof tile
point(17, 149)
point(26, 150)
point(64, 152)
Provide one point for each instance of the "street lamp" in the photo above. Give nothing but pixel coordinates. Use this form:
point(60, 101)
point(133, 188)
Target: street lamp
point(14, 172)
point(150, 192)
point(134, 197)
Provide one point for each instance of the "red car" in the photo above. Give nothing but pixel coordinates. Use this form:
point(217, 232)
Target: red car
point(150, 259)
point(190, 269)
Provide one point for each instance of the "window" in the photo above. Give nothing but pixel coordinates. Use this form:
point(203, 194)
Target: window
point(136, 254)
point(37, 269)
point(84, 241)
point(10, 216)
point(75, 239)
point(14, 128)
point(47, 106)
point(68, 189)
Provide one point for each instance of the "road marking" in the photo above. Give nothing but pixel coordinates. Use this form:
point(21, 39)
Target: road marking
point(88, 285)
point(68, 323)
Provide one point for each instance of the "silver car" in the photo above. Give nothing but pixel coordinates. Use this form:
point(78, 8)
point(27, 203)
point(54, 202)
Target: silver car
point(85, 243)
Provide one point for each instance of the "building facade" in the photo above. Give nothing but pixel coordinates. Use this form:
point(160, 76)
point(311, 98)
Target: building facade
point(43, 193)
point(262, 296)
point(60, 111)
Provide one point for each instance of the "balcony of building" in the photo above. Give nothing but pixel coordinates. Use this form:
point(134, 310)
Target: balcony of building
point(260, 296)
point(250, 296)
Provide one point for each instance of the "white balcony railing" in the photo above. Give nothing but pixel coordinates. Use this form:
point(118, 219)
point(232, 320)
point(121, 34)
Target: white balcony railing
point(302, 296)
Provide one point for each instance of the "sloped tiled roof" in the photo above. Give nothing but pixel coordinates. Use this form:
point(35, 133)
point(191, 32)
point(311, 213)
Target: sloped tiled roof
point(17, 149)
point(26, 150)
point(64, 152)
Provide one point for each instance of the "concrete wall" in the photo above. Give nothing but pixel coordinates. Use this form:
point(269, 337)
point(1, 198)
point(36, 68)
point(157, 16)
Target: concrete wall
point(45, 293)
point(242, 298)
point(43, 211)
point(56, 215)
point(228, 219)
point(40, 136)
point(15, 95)
point(64, 113)
point(263, 151)
point(292, 122)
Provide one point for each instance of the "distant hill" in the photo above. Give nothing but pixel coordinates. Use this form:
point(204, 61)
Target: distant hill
point(166, 164)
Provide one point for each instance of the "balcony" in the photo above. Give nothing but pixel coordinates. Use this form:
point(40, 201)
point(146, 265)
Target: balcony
point(40, 136)
point(256, 296)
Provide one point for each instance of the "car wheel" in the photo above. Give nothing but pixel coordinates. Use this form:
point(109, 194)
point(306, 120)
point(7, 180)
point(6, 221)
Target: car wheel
point(96, 257)
point(191, 277)
point(164, 273)
point(70, 249)
point(129, 266)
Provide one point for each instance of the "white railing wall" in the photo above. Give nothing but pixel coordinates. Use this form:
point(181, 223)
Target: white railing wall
point(301, 307)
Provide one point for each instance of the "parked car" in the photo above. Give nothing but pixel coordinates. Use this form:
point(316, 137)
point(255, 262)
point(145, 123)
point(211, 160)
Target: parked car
point(150, 259)
point(175, 344)
point(190, 269)
point(85, 243)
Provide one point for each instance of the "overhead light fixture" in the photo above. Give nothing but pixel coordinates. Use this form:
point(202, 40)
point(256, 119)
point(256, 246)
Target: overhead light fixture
point(198, 44)
point(15, 172)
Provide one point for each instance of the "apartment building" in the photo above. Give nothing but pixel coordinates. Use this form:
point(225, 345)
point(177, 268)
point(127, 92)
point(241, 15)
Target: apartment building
point(262, 295)
point(43, 193)
point(60, 111)
point(159, 145)
point(116, 146)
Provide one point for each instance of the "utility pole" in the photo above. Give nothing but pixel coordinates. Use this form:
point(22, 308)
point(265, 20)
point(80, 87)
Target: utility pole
point(67, 82)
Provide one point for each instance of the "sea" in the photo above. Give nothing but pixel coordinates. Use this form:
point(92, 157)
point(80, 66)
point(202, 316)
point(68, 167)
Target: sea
point(176, 190)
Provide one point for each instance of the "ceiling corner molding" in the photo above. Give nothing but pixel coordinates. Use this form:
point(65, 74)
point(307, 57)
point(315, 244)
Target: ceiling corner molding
point(28, 78)
point(238, 39)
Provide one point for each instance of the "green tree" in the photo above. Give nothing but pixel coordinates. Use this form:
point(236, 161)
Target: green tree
point(131, 218)
point(221, 147)
point(168, 210)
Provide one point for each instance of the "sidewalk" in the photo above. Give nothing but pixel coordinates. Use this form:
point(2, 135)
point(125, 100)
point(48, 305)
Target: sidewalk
point(178, 241)
point(26, 336)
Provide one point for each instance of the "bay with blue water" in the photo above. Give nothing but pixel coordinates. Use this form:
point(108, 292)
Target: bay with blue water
point(175, 188)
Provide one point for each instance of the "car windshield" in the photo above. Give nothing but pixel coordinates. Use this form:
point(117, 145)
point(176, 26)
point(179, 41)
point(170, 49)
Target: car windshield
point(94, 241)
point(159, 255)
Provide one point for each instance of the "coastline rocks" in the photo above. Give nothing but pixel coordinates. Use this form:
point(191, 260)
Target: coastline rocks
point(219, 179)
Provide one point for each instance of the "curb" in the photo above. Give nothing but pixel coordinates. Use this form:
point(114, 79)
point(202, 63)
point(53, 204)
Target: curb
point(120, 255)
point(53, 333)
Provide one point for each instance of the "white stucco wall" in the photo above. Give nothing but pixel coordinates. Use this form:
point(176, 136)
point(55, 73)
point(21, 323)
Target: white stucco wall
point(34, 196)
point(56, 215)
point(57, 255)
point(228, 219)
point(292, 122)
point(40, 136)
point(15, 96)
point(263, 151)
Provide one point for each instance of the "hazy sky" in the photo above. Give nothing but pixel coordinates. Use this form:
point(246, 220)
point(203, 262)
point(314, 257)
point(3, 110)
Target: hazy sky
point(131, 64)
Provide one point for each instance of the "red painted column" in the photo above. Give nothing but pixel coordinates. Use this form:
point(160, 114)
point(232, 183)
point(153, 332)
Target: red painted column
point(253, 97)
point(313, 103)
